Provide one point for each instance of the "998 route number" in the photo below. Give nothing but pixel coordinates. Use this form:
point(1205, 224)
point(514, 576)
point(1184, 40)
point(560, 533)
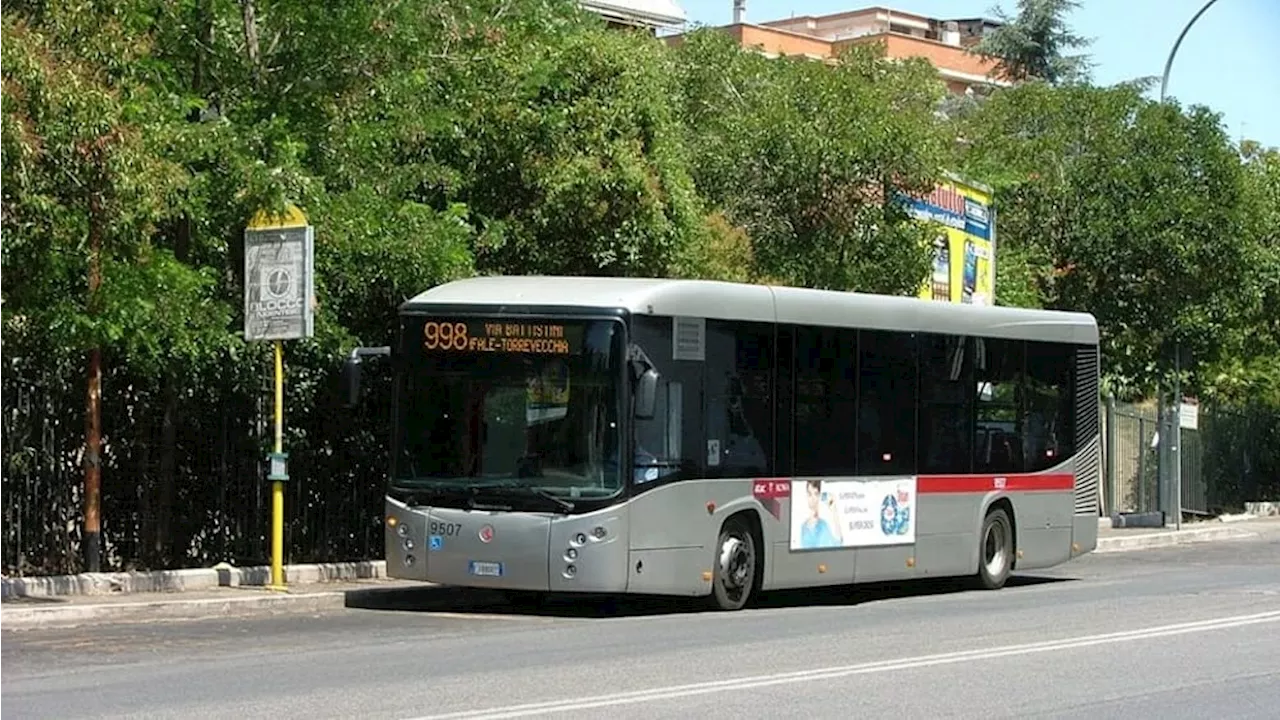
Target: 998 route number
point(447, 529)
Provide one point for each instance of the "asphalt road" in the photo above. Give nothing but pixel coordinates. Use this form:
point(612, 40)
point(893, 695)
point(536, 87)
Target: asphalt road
point(1187, 632)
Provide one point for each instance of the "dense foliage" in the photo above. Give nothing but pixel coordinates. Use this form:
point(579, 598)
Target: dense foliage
point(430, 141)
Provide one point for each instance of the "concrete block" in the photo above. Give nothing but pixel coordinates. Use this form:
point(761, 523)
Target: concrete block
point(111, 583)
point(1131, 520)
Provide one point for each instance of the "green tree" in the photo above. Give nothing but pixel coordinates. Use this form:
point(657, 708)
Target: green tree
point(802, 156)
point(1248, 373)
point(1127, 209)
point(423, 140)
point(1034, 44)
point(88, 197)
point(577, 161)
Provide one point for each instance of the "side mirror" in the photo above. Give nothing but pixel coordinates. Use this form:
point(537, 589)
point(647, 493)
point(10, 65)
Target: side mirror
point(351, 370)
point(646, 394)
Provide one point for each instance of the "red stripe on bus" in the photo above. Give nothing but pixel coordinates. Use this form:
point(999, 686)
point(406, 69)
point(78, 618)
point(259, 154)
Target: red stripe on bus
point(937, 484)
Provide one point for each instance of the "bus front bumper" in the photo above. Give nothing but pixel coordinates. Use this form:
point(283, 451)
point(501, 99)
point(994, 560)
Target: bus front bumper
point(508, 550)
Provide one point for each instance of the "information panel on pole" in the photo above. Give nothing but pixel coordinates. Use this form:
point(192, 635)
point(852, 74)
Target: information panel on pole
point(279, 292)
point(279, 282)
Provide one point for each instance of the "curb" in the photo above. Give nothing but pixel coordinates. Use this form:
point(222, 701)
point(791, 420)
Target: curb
point(190, 580)
point(413, 595)
point(1170, 538)
point(62, 616)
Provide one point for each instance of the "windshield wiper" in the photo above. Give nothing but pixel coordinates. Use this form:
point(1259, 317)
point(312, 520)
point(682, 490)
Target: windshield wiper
point(415, 496)
point(529, 489)
point(564, 504)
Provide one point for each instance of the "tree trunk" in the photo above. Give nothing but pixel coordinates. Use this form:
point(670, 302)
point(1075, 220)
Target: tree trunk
point(93, 403)
point(247, 14)
point(165, 549)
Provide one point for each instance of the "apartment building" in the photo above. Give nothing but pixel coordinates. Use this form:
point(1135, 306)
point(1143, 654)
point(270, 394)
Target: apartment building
point(647, 15)
point(944, 42)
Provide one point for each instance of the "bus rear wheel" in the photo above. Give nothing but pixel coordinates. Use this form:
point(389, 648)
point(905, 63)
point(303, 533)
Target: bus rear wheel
point(995, 550)
point(734, 577)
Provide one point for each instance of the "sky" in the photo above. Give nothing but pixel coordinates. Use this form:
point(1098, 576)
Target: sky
point(1229, 61)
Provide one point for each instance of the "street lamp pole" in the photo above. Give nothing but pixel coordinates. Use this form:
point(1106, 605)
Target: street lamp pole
point(1176, 450)
point(1168, 64)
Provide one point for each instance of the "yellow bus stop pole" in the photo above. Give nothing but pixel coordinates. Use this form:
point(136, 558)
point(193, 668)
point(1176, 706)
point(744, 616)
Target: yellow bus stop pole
point(278, 474)
point(277, 486)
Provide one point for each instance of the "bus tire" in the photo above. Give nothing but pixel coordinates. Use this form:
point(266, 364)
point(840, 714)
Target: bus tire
point(733, 577)
point(995, 550)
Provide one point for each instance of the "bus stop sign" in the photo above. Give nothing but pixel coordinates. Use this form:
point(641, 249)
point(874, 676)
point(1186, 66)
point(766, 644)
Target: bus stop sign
point(279, 283)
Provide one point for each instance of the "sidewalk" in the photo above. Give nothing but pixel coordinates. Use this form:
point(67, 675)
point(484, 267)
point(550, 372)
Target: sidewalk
point(226, 602)
point(1127, 539)
point(225, 592)
point(220, 591)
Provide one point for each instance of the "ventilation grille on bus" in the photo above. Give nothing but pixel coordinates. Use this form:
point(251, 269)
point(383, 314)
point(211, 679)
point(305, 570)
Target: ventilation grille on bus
point(689, 338)
point(1088, 442)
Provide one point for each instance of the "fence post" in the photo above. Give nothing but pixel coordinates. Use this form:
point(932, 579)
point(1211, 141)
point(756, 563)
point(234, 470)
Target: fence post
point(1140, 495)
point(1162, 456)
point(1109, 456)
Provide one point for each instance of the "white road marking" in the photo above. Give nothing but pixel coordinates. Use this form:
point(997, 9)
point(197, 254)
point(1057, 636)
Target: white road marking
point(761, 681)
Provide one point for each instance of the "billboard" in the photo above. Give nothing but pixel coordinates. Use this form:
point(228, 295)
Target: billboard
point(964, 262)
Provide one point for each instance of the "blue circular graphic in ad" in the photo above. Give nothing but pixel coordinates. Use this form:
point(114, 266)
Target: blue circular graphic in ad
point(894, 519)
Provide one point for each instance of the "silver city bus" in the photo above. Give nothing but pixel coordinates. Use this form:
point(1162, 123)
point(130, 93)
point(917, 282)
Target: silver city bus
point(696, 438)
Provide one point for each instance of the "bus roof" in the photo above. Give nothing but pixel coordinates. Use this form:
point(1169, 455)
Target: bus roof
point(758, 303)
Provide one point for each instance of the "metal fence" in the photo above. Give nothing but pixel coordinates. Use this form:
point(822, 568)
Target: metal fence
point(1229, 458)
point(1129, 460)
point(183, 473)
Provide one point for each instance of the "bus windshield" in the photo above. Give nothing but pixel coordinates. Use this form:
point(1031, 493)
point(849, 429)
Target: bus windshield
point(510, 406)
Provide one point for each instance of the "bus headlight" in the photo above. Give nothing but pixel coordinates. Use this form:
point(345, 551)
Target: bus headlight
point(408, 561)
point(402, 530)
point(598, 532)
point(570, 570)
point(571, 554)
point(408, 544)
point(580, 539)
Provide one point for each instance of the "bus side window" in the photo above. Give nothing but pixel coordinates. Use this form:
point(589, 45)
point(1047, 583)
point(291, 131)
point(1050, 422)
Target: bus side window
point(887, 379)
point(1050, 434)
point(999, 432)
point(739, 399)
point(668, 444)
point(826, 405)
point(946, 404)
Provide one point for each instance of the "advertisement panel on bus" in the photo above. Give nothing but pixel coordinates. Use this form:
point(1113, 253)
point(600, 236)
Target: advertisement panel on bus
point(852, 513)
point(964, 269)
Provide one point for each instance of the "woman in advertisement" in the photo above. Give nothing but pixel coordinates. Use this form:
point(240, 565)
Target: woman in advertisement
point(816, 532)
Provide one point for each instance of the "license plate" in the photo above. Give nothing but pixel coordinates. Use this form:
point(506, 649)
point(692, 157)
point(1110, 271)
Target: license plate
point(487, 569)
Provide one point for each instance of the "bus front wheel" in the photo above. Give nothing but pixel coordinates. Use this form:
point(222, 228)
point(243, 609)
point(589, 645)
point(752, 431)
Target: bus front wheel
point(995, 550)
point(733, 580)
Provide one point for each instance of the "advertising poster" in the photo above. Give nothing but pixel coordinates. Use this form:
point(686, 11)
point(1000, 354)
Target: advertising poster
point(852, 513)
point(279, 283)
point(547, 394)
point(964, 268)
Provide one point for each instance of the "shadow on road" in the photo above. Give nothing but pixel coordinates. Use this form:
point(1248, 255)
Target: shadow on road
point(436, 598)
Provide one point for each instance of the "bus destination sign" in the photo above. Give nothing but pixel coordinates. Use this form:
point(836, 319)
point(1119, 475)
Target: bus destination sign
point(497, 336)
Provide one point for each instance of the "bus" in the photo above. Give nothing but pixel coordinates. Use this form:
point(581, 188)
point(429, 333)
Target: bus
point(697, 438)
